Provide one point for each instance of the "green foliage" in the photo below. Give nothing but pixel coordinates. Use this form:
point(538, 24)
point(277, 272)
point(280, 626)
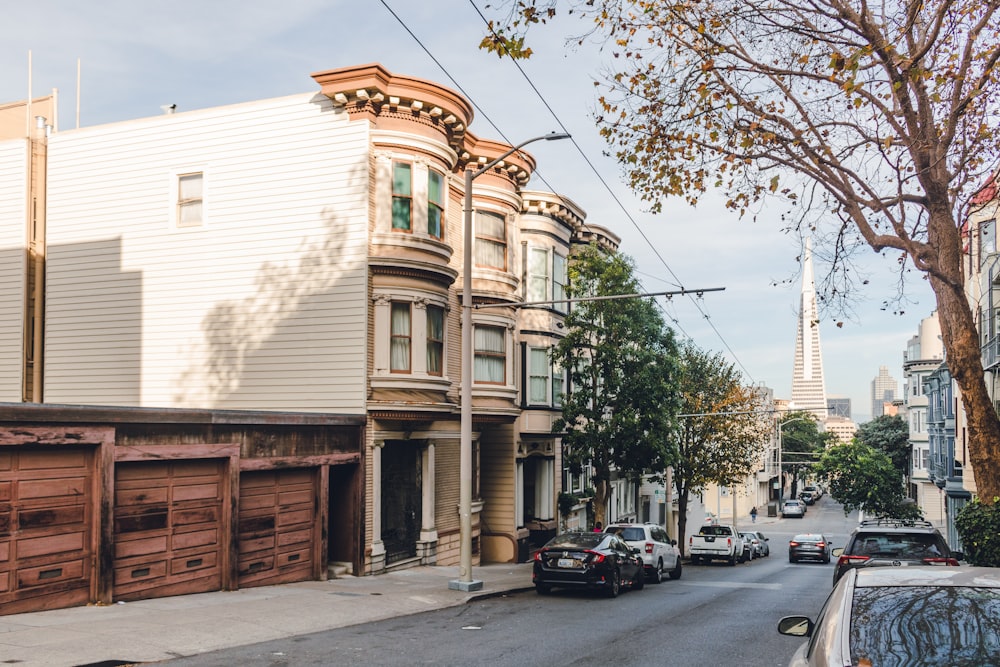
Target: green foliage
point(567, 501)
point(890, 434)
point(622, 361)
point(801, 442)
point(862, 477)
point(979, 527)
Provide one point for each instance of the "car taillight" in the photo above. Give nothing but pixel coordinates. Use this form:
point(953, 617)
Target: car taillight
point(941, 561)
point(847, 560)
point(538, 556)
point(793, 544)
point(729, 541)
point(821, 545)
point(649, 548)
point(596, 557)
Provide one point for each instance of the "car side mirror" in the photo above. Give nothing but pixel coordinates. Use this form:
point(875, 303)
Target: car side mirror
point(838, 551)
point(796, 626)
point(673, 543)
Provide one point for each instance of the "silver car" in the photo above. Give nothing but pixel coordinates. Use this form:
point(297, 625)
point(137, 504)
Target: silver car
point(794, 508)
point(921, 616)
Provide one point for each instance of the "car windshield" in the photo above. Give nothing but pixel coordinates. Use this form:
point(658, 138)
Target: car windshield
point(629, 534)
point(898, 545)
point(925, 626)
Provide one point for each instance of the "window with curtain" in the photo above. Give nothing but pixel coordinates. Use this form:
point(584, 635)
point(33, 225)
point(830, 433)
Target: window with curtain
point(558, 384)
point(559, 279)
point(399, 344)
point(538, 376)
point(490, 355)
point(435, 204)
point(538, 274)
point(402, 196)
point(189, 200)
point(435, 340)
point(491, 240)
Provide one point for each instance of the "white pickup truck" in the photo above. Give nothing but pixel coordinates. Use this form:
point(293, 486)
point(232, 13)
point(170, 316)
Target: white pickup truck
point(716, 542)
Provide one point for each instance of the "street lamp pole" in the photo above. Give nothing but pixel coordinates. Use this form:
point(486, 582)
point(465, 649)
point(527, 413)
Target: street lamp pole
point(465, 581)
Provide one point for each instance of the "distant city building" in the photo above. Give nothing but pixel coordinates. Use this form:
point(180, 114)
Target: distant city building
point(884, 389)
point(808, 388)
point(840, 406)
point(842, 427)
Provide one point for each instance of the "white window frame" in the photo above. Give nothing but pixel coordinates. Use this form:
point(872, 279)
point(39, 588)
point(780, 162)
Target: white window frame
point(535, 373)
point(494, 241)
point(177, 204)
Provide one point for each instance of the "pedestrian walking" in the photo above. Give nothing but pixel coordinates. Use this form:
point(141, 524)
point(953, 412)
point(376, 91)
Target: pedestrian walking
point(753, 515)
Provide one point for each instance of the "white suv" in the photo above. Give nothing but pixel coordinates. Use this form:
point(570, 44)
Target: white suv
point(658, 552)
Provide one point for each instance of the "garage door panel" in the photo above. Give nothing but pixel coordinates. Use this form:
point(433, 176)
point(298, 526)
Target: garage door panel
point(48, 489)
point(276, 526)
point(49, 574)
point(39, 460)
point(168, 528)
point(46, 528)
point(44, 518)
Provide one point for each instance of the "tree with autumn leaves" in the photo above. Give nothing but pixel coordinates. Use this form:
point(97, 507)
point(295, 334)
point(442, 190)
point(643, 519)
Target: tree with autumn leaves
point(724, 431)
point(871, 124)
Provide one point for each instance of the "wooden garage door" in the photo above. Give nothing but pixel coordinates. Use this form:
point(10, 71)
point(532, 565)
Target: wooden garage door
point(277, 526)
point(46, 530)
point(168, 528)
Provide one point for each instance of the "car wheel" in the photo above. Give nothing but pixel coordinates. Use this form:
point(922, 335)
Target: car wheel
point(695, 560)
point(657, 576)
point(543, 589)
point(732, 559)
point(826, 560)
point(615, 585)
point(676, 572)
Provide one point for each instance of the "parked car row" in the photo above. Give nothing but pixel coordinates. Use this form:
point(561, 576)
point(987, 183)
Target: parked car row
point(622, 556)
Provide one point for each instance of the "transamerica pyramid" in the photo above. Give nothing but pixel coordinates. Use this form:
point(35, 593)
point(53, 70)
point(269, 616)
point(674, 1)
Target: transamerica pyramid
point(808, 387)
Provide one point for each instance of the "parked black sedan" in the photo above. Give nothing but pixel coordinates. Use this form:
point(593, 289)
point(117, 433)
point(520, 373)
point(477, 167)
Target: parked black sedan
point(595, 561)
point(809, 546)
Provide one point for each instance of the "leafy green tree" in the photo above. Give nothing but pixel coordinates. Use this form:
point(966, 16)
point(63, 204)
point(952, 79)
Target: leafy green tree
point(870, 123)
point(802, 443)
point(978, 525)
point(723, 439)
point(618, 416)
point(862, 477)
point(890, 434)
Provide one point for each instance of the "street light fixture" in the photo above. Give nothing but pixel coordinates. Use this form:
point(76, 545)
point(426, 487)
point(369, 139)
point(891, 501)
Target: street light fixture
point(465, 581)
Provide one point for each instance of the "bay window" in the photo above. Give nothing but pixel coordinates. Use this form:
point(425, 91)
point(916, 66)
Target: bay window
point(490, 355)
point(435, 340)
point(491, 240)
point(402, 196)
point(399, 344)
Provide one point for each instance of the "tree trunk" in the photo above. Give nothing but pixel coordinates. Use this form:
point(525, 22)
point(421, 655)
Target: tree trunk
point(682, 513)
point(600, 502)
point(964, 359)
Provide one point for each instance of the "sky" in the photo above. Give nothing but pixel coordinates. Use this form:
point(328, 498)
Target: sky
point(135, 56)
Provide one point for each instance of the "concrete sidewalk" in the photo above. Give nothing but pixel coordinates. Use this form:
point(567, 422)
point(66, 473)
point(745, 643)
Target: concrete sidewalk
point(164, 628)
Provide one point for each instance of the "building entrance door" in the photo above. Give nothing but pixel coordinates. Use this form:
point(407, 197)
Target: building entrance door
point(401, 500)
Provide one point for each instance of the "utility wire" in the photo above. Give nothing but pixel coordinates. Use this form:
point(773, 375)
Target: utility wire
point(586, 159)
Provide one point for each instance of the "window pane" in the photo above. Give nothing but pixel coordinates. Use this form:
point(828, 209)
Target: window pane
point(435, 339)
point(189, 186)
point(558, 384)
point(402, 187)
point(490, 361)
point(538, 274)
point(399, 347)
point(559, 281)
point(538, 372)
point(435, 203)
point(491, 241)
